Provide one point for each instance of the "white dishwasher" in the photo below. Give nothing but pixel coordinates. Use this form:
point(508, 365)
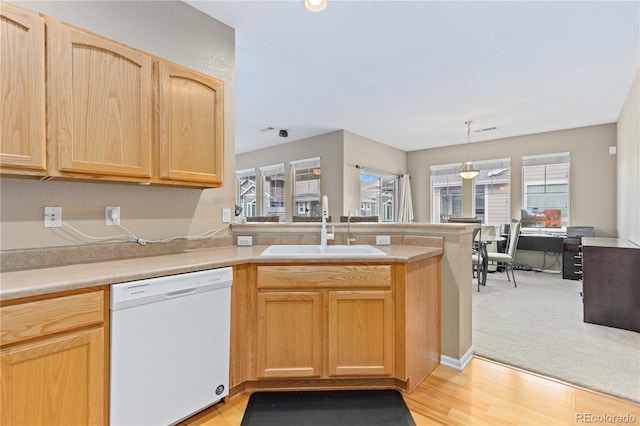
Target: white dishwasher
point(169, 346)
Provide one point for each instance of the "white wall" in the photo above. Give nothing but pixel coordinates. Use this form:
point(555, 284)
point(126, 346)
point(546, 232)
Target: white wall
point(592, 178)
point(628, 189)
point(169, 29)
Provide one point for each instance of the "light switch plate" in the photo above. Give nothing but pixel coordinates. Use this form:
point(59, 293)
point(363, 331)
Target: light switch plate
point(226, 215)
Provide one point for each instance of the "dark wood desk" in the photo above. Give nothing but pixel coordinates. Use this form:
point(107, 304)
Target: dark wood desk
point(611, 282)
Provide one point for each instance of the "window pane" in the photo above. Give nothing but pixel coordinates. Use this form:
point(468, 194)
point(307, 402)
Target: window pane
point(306, 189)
point(545, 195)
point(447, 197)
point(273, 201)
point(493, 196)
point(378, 196)
point(247, 195)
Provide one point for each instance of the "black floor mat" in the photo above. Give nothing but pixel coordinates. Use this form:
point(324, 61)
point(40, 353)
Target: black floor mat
point(327, 408)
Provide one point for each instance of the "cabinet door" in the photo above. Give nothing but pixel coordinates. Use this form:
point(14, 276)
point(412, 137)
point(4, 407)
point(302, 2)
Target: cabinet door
point(22, 87)
point(190, 126)
point(56, 381)
point(289, 334)
point(360, 333)
point(103, 110)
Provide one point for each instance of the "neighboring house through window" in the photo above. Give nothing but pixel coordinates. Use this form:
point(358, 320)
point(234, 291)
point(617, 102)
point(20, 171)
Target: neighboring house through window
point(378, 196)
point(246, 191)
point(446, 192)
point(306, 176)
point(273, 183)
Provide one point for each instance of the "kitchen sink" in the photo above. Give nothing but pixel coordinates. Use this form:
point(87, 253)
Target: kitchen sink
point(333, 250)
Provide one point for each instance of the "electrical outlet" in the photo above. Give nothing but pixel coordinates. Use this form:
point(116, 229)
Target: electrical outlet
point(226, 215)
point(111, 216)
point(383, 240)
point(53, 217)
point(245, 241)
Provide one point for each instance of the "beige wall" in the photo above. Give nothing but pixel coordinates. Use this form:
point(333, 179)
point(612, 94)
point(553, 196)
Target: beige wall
point(339, 153)
point(362, 151)
point(329, 147)
point(592, 179)
point(628, 188)
point(171, 30)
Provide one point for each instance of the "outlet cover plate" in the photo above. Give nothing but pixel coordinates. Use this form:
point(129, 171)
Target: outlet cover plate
point(383, 240)
point(53, 217)
point(111, 216)
point(245, 241)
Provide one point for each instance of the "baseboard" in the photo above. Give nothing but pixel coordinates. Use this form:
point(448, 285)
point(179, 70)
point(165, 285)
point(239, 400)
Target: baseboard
point(458, 364)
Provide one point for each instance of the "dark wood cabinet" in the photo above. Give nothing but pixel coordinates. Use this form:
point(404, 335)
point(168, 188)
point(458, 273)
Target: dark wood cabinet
point(611, 282)
point(572, 259)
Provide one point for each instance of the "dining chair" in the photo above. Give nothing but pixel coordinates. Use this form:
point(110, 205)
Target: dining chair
point(508, 258)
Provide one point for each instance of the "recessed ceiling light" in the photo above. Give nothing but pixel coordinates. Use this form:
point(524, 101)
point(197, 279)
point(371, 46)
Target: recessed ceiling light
point(315, 5)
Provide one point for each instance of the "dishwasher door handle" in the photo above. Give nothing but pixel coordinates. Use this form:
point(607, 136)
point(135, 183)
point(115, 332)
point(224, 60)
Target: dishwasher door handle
point(180, 292)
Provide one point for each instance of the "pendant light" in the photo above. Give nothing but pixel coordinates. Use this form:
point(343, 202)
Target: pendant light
point(315, 5)
point(468, 171)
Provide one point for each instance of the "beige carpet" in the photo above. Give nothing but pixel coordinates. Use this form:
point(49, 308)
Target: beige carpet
point(538, 327)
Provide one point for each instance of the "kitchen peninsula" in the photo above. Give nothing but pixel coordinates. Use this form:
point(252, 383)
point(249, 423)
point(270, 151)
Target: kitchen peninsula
point(393, 301)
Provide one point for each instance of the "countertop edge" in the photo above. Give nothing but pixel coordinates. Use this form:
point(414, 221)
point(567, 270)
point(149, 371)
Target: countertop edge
point(36, 282)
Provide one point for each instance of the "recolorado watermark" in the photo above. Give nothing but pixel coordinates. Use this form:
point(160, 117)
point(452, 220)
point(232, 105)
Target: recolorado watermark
point(605, 418)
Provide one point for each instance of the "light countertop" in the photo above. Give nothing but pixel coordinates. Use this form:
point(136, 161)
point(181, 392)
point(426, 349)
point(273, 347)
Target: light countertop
point(33, 282)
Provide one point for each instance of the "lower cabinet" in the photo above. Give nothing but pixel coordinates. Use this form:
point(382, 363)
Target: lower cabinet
point(324, 321)
point(324, 325)
point(53, 361)
point(289, 334)
point(360, 333)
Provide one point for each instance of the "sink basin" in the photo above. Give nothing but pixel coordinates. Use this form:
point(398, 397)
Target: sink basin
point(334, 250)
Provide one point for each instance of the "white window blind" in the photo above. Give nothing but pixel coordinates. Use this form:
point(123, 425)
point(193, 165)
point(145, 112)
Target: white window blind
point(276, 169)
point(545, 192)
point(493, 191)
point(245, 173)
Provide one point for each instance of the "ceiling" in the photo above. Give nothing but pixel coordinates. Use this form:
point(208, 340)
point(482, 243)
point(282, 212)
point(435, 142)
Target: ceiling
point(410, 73)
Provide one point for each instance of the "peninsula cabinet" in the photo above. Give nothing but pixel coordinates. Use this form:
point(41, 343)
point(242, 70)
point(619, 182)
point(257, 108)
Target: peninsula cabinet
point(22, 89)
point(353, 305)
point(100, 106)
point(327, 325)
point(54, 363)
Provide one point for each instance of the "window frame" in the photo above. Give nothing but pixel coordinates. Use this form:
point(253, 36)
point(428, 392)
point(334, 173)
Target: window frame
point(314, 207)
point(381, 205)
point(547, 160)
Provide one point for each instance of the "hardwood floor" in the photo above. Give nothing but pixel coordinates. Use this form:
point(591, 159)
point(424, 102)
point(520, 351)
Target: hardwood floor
point(485, 393)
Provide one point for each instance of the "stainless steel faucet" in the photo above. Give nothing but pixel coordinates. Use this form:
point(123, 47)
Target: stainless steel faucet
point(349, 238)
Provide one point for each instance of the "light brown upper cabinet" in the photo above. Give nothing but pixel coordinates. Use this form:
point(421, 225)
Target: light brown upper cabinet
point(100, 106)
point(190, 126)
point(22, 82)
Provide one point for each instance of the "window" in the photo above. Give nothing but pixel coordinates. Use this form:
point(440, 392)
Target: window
point(273, 190)
point(378, 196)
point(246, 191)
point(545, 191)
point(493, 191)
point(306, 187)
point(446, 192)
